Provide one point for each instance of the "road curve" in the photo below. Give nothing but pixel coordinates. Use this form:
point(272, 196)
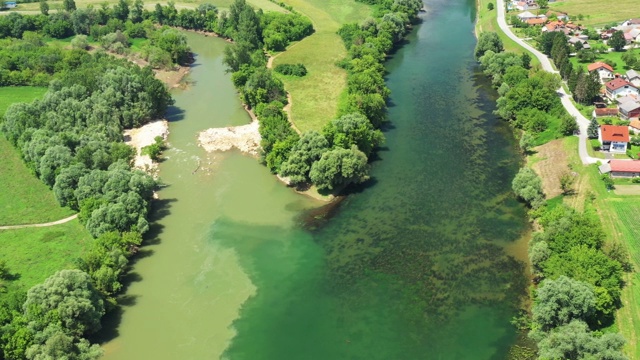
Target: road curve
point(583, 122)
point(13, 227)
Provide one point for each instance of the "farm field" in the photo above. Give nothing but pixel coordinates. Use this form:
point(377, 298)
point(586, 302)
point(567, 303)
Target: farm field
point(598, 12)
point(315, 96)
point(266, 5)
point(618, 214)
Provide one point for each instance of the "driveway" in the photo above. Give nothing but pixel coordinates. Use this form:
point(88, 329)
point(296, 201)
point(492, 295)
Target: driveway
point(583, 122)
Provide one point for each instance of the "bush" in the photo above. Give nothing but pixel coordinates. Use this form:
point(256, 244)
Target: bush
point(528, 187)
point(291, 69)
point(80, 42)
point(154, 150)
point(490, 6)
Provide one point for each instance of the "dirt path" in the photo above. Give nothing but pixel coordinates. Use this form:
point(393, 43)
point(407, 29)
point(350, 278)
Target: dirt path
point(13, 227)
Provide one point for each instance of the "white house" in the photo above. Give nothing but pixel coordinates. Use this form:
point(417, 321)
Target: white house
point(633, 77)
point(526, 16)
point(620, 87)
point(614, 138)
point(605, 71)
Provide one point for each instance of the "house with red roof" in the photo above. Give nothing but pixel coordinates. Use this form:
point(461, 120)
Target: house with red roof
point(614, 138)
point(624, 168)
point(605, 71)
point(620, 87)
point(554, 26)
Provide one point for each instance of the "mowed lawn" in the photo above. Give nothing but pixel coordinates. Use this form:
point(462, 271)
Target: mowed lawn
point(33, 254)
point(315, 96)
point(599, 12)
point(618, 214)
point(24, 199)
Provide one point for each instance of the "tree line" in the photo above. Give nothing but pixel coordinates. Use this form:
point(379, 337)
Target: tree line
point(528, 98)
point(72, 140)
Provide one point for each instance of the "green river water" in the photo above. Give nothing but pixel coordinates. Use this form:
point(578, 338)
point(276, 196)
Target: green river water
point(421, 263)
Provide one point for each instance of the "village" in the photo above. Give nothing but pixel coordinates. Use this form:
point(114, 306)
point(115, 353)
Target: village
point(611, 52)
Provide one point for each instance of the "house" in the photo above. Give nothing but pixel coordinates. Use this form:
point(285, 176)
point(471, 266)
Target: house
point(634, 34)
point(585, 44)
point(631, 22)
point(614, 138)
point(558, 15)
point(522, 5)
point(604, 112)
point(620, 87)
point(633, 77)
point(554, 26)
point(606, 35)
point(628, 110)
point(526, 16)
point(634, 125)
point(10, 4)
point(623, 99)
point(605, 71)
point(536, 22)
point(624, 168)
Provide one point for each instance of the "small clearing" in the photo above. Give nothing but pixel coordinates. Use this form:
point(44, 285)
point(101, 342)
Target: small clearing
point(551, 162)
point(627, 190)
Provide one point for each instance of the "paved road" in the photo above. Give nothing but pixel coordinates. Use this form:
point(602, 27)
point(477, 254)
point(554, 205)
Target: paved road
point(583, 123)
point(12, 227)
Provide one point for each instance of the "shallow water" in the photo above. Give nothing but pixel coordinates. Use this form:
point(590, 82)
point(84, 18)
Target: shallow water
point(411, 266)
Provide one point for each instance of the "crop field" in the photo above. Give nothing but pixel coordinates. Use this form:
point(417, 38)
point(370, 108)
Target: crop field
point(315, 96)
point(598, 12)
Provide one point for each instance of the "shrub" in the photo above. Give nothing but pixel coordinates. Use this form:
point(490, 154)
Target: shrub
point(291, 69)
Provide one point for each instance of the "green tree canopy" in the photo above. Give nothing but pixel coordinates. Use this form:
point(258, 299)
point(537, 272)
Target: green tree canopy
point(559, 301)
point(488, 41)
point(339, 167)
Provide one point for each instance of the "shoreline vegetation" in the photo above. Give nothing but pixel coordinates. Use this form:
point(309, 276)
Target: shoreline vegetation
point(578, 270)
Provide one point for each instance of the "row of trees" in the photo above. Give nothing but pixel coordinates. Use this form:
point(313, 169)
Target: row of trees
point(584, 86)
point(528, 97)
point(581, 280)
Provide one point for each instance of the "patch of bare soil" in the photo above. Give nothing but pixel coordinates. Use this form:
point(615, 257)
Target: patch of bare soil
point(553, 163)
point(245, 138)
point(145, 136)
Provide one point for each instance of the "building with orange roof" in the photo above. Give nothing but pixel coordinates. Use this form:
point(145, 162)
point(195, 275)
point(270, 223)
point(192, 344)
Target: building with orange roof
point(605, 71)
point(614, 138)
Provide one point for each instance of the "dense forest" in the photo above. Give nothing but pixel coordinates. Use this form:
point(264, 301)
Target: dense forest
point(578, 275)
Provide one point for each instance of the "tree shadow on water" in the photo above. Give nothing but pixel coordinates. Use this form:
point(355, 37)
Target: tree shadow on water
point(175, 113)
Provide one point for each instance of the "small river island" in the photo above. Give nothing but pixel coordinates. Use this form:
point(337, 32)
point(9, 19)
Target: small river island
point(424, 260)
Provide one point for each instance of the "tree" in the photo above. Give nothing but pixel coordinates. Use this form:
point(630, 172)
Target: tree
point(121, 10)
point(543, 4)
point(566, 183)
point(526, 142)
point(490, 6)
point(560, 301)
point(528, 186)
point(137, 11)
point(304, 153)
point(54, 343)
point(574, 341)
point(488, 41)
point(67, 298)
point(44, 7)
point(592, 130)
point(69, 5)
point(568, 124)
point(353, 129)
point(631, 60)
point(80, 42)
point(526, 60)
point(617, 41)
point(339, 167)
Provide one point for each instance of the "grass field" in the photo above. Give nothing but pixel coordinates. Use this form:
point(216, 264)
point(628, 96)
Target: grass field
point(315, 96)
point(618, 214)
point(33, 254)
point(614, 56)
point(266, 5)
point(24, 199)
point(598, 12)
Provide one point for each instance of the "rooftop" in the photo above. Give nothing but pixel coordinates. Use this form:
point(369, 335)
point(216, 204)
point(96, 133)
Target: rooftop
point(617, 83)
point(625, 165)
point(629, 106)
point(614, 133)
point(606, 112)
point(598, 65)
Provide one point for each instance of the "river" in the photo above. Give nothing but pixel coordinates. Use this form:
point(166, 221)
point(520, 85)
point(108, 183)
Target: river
point(422, 262)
